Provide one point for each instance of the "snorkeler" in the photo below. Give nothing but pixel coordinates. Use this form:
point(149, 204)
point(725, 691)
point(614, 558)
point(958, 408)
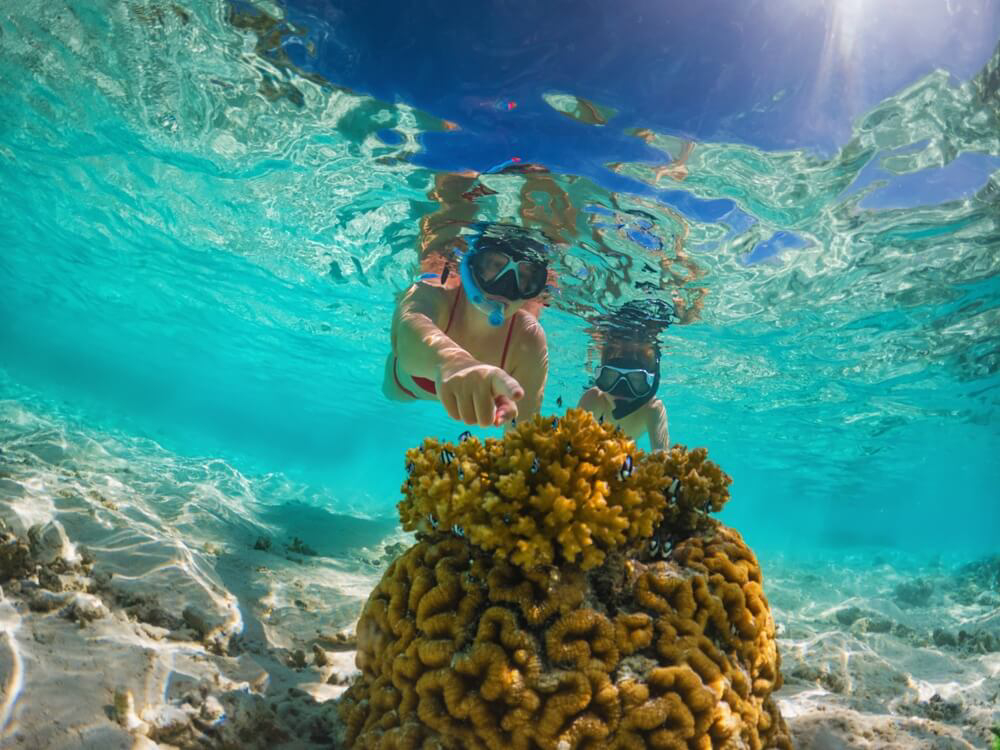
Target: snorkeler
point(624, 390)
point(471, 344)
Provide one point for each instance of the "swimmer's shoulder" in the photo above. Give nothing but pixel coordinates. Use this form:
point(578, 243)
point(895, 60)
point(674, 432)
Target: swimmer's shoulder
point(528, 336)
point(429, 298)
point(529, 353)
point(655, 411)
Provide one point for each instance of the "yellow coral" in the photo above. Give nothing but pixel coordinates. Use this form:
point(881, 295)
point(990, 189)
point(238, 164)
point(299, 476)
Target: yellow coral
point(633, 632)
point(548, 625)
point(680, 663)
point(555, 491)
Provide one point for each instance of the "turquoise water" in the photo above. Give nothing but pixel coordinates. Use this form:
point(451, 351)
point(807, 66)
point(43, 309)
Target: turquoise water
point(201, 251)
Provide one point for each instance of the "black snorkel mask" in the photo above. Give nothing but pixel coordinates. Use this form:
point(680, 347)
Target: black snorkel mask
point(630, 379)
point(513, 267)
point(504, 261)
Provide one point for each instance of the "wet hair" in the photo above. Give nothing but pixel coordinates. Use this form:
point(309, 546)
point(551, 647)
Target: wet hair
point(638, 323)
point(516, 241)
point(649, 314)
point(615, 347)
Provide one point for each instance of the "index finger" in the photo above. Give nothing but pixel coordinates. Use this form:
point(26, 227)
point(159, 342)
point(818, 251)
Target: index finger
point(506, 410)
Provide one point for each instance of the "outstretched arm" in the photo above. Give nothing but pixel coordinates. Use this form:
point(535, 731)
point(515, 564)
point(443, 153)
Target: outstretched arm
point(417, 339)
point(470, 391)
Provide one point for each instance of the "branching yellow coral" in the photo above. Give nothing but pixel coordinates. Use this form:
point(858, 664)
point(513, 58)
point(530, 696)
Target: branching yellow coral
point(547, 624)
point(557, 491)
point(694, 488)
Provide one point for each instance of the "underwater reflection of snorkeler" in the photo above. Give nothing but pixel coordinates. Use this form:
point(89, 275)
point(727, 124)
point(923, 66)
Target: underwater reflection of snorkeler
point(472, 345)
point(624, 390)
point(541, 202)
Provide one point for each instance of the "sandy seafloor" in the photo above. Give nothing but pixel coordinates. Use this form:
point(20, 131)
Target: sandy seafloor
point(154, 601)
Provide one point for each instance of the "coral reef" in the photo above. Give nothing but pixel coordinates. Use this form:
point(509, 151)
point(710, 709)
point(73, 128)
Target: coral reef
point(558, 491)
point(571, 592)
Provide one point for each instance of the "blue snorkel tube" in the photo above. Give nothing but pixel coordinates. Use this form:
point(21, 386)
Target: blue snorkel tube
point(498, 237)
point(489, 307)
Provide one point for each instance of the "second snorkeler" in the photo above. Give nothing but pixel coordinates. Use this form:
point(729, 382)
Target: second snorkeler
point(624, 391)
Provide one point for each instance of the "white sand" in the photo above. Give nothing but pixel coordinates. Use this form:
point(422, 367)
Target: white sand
point(182, 634)
point(874, 658)
point(211, 637)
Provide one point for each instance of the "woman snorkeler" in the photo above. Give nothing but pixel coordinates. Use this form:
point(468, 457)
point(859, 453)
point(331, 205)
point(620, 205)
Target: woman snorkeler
point(473, 345)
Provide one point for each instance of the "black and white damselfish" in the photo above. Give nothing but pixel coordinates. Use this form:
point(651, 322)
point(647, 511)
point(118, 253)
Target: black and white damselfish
point(626, 470)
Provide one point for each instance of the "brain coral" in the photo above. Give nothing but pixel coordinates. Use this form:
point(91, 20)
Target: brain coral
point(566, 591)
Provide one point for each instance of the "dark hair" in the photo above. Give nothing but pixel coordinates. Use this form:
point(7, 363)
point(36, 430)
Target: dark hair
point(614, 347)
point(514, 240)
point(640, 321)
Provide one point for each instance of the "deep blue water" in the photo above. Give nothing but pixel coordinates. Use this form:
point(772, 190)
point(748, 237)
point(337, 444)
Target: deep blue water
point(207, 209)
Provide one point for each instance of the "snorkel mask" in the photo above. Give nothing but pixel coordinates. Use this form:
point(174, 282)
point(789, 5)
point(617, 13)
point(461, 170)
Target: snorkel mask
point(504, 261)
point(631, 380)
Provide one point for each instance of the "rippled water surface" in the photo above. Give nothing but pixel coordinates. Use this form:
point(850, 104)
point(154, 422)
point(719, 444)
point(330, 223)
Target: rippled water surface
point(203, 233)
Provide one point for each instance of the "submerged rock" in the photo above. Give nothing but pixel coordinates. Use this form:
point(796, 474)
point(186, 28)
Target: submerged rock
point(263, 544)
point(42, 600)
point(874, 624)
point(212, 709)
point(849, 615)
point(985, 573)
point(49, 542)
point(125, 714)
point(939, 709)
point(15, 557)
point(169, 724)
point(943, 638)
point(320, 658)
point(85, 608)
point(916, 593)
point(201, 621)
point(978, 642)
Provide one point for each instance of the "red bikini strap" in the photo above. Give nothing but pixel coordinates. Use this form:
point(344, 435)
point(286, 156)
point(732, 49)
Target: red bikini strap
point(403, 388)
point(454, 306)
point(506, 344)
